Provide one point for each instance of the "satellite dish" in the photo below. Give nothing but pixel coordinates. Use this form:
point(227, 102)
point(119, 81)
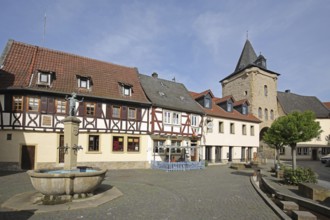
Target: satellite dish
point(209, 125)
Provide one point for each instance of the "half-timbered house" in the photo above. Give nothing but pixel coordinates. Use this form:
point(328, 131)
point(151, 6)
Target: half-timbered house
point(230, 132)
point(175, 119)
point(34, 85)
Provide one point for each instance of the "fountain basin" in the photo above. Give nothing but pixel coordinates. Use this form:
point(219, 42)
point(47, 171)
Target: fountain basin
point(66, 182)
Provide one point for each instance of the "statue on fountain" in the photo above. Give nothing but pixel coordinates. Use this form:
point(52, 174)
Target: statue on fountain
point(72, 102)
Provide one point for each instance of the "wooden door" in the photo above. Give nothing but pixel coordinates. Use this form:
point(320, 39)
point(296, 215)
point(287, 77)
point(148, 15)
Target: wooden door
point(28, 157)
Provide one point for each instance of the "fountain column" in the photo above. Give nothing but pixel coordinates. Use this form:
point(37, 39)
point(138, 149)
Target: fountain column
point(71, 132)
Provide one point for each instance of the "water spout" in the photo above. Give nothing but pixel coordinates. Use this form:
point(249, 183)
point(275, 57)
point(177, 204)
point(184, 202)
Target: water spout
point(77, 147)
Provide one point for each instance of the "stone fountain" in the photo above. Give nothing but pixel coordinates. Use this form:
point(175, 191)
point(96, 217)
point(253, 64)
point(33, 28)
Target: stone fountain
point(72, 181)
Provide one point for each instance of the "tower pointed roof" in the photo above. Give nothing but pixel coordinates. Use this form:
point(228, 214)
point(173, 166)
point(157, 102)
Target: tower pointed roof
point(248, 56)
point(249, 59)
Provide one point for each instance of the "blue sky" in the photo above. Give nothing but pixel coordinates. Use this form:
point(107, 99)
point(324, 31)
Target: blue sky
point(197, 42)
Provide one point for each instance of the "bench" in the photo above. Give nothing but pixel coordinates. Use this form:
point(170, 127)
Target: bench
point(313, 191)
point(303, 215)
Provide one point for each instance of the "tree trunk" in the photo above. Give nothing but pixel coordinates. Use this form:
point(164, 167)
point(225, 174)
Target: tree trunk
point(294, 157)
point(277, 155)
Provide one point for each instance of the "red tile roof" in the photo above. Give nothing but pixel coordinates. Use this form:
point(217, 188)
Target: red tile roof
point(217, 111)
point(327, 104)
point(196, 95)
point(21, 63)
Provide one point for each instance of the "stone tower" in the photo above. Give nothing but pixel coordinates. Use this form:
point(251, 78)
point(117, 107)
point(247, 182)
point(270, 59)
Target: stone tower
point(252, 80)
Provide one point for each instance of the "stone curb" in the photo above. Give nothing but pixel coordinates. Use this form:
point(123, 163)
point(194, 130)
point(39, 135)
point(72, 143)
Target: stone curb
point(24, 202)
point(280, 213)
point(324, 210)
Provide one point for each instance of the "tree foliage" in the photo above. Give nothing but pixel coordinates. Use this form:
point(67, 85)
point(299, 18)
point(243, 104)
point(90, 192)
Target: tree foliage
point(273, 139)
point(293, 128)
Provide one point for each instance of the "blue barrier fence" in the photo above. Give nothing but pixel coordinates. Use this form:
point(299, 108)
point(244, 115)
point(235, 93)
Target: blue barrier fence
point(178, 166)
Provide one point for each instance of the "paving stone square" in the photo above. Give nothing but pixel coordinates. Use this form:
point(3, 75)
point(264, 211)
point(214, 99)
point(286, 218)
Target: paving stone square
point(216, 192)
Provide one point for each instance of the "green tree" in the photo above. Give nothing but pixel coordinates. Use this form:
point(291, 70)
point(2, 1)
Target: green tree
point(296, 127)
point(273, 139)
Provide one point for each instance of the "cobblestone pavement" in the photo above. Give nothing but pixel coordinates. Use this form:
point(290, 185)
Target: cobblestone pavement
point(217, 192)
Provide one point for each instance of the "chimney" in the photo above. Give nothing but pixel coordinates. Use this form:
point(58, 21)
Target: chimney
point(154, 74)
point(287, 91)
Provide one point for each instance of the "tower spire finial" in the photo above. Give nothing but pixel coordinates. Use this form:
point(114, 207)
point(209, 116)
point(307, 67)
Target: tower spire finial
point(247, 35)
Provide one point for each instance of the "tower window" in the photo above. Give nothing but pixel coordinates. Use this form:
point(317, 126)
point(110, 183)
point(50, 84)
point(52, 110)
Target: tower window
point(266, 114)
point(259, 112)
point(265, 90)
point(272, 114)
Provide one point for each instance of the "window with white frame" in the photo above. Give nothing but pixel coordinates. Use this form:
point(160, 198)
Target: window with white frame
point(175, 146)
point(44, 78)
point(158, 146)
point(167, 117)
point(194, 120)
point(84, 82)
point(131, 113)
point(171, 118)
point(176, 118)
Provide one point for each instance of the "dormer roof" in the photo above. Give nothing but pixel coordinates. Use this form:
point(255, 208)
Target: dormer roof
point(224, 99)
point(217, 111)
point(242, 102)
point(202, 94)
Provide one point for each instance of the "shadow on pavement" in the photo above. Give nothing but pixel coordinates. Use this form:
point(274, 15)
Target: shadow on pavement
point(6, 173)
point(102, 188)
point(242, 173)
point(17, 215)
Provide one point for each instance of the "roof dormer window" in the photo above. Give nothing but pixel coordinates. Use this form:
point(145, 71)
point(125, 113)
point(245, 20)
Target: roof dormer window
point(126, 89)
point(45, 78)
point(207, 103)
point(244, 110)
point(84, 82)
point(229, 106)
